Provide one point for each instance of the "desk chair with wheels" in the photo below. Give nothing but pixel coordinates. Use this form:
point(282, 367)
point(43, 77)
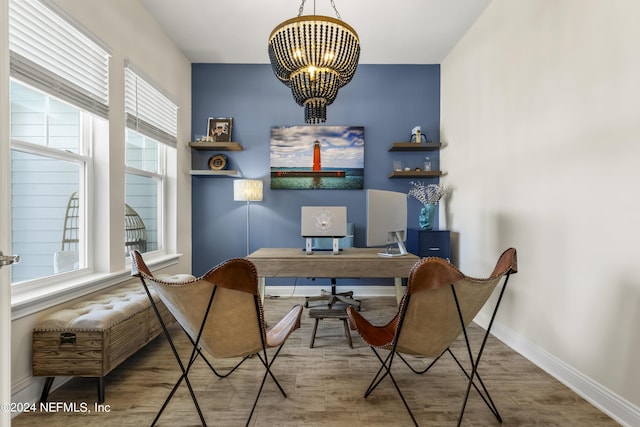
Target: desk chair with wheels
point(333, 296)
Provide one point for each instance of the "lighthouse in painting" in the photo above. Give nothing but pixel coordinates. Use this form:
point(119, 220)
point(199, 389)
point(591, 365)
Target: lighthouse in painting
point(316, 156)
point(314, 172)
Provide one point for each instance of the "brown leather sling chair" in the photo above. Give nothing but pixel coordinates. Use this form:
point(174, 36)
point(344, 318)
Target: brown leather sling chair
point(221, 313)
point(439, 304)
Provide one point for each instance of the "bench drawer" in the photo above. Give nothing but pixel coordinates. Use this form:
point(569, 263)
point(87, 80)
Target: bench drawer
point(94, 353)
point(69, 353)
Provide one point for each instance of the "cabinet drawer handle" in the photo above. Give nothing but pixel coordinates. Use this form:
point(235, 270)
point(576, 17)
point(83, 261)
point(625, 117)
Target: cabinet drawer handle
point(433, 248)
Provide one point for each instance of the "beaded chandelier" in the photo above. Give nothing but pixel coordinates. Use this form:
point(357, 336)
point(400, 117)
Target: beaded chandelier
point(315, 56)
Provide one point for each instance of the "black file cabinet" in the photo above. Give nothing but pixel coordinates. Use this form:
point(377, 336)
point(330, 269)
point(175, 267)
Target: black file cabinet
point(426, 243)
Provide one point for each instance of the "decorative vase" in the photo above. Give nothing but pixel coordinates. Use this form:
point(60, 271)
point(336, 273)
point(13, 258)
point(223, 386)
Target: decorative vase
point(427, 216)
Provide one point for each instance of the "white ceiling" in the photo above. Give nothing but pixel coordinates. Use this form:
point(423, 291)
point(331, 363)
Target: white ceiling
point(392, 32)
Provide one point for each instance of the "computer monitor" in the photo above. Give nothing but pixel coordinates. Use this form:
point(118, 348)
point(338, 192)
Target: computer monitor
point(387, 221)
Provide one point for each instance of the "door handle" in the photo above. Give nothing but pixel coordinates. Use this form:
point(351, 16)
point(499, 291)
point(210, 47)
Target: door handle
point(8, 259)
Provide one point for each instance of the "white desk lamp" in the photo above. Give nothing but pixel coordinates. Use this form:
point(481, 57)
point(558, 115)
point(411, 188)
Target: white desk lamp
point(249, 190)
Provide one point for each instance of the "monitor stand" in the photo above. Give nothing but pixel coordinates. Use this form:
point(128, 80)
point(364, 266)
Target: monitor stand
point(309, 246)
point(402, 250)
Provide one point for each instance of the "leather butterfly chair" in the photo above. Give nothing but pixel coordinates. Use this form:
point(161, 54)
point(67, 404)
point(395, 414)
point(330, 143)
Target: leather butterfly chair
point(438, 306)
point(222, 315)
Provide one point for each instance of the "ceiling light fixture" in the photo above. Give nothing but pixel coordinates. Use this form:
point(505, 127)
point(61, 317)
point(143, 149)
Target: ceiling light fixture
point(315, 56)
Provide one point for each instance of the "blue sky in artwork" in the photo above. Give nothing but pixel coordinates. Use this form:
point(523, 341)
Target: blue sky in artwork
point(340, 146)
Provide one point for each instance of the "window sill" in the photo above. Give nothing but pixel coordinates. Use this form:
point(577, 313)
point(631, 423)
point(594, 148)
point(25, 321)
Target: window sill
point(27, 301)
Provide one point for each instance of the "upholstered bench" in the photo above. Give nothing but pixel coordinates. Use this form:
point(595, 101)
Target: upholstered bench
point(93, 337)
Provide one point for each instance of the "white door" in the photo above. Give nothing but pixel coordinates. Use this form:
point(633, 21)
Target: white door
point(5, 226)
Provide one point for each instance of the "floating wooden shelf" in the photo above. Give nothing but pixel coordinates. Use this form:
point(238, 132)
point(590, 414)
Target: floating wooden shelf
point(412, 146)
point(222, 146)
point(229, 173)
point(415, 174)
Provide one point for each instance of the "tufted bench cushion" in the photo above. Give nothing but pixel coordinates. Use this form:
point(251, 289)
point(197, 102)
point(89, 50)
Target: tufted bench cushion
point(91, 338)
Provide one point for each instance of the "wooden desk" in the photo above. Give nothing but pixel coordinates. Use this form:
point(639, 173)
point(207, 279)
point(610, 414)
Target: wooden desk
point(349, 263)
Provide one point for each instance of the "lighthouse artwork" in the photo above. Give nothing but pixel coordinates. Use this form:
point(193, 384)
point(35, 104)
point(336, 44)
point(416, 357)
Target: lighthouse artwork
point(317, 157)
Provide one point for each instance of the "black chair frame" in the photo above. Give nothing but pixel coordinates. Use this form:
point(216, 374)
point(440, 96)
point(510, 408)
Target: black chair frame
point(195, 352)
point(386, 363)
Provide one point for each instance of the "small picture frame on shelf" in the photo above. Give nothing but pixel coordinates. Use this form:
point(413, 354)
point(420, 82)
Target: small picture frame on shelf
point(219, 129)
point(218, 162)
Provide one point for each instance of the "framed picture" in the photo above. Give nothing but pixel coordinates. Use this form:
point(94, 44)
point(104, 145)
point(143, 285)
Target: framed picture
point(220, 129)
point(317, 157)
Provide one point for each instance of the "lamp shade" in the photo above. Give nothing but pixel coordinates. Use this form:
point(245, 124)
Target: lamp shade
point(247, 190)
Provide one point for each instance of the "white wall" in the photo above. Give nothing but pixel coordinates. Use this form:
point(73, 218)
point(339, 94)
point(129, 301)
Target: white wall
point(131, 33)
point(540, 114)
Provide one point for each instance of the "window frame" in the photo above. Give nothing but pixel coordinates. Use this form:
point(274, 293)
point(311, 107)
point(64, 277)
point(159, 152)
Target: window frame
point(161, 177)
point(152, 115)
point(84, 159)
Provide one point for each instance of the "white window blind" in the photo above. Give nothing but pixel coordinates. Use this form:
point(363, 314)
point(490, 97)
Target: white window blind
point(148, 111)
point(49, 53)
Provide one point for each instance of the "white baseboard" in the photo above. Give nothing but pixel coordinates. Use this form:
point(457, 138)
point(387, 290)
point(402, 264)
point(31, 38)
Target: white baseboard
point(616, 407)
point(309, 291)
point(29, 390)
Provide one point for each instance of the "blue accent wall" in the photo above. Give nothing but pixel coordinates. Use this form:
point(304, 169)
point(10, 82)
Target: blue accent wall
point(388, 100)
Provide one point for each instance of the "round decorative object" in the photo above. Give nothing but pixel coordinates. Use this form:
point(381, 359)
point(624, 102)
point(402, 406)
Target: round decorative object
point(218, 162)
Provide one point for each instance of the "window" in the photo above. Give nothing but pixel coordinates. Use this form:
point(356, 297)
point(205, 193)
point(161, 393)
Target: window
point(50, 146)
point(144, 183)
point(151, 132)
point(59, 94)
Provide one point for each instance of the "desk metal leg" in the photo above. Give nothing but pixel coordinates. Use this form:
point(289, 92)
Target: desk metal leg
point(261, 287)
point(397, 281)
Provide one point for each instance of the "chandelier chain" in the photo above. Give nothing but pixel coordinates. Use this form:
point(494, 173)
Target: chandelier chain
point(333, 4)
point(334, 8)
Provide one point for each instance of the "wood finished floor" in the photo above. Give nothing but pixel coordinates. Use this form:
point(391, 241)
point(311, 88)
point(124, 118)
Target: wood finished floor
point(325, 387)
